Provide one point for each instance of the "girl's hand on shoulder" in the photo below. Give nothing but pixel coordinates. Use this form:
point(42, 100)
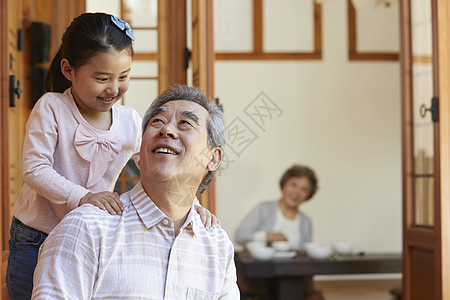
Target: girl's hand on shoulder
point(106, 201)
point(208, 219)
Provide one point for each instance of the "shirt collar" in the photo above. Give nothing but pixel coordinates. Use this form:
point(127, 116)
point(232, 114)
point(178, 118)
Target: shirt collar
point(151, 215)
point(193, 221)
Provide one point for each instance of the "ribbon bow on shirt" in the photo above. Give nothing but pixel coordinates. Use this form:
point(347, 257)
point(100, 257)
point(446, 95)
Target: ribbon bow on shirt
point(99, 150)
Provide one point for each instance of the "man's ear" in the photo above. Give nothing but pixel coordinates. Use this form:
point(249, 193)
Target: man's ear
point(137, 161)
point(216, 159)
point(66, 69)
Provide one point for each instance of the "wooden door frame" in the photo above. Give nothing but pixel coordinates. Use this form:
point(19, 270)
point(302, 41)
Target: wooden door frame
point(4, 118)
point(437, 239)
point(443, 29)
point(203, 70)
point(4, 171)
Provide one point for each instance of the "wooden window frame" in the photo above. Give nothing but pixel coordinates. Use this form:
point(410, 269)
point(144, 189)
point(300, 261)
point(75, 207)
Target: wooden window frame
point(258, 51)
point(125, 13)
point(353, 53)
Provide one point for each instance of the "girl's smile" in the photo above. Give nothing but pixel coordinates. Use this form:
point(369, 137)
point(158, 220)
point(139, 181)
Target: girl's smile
point(99, 84)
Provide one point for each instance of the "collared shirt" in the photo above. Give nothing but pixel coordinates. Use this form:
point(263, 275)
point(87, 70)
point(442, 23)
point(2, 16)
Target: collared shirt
point(94, 255)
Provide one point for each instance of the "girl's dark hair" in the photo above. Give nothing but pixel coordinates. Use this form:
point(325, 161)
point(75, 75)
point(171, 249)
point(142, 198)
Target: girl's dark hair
point(87, 35)
point(300, 171)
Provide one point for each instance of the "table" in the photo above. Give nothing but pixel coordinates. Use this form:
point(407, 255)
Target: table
point(289, 271)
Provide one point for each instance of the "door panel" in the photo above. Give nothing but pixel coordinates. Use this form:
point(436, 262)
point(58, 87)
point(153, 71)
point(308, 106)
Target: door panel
point(422, 274)
point(426, 155)
point(421, 231)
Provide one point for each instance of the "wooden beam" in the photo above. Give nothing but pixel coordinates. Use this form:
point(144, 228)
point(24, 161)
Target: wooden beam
point(171, 43)
point(258, 27)
point(203, 68)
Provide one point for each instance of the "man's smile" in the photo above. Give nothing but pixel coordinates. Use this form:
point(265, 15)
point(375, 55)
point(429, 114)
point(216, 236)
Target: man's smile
point(165, 150)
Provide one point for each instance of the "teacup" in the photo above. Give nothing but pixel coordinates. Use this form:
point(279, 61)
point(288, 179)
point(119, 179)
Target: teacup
point(343, 248)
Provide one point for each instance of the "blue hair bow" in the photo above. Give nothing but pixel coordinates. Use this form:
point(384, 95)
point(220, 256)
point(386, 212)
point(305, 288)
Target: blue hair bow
point(123, 26)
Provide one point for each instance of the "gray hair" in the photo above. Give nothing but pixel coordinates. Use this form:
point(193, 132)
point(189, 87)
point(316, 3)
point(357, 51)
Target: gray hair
point(215, 124)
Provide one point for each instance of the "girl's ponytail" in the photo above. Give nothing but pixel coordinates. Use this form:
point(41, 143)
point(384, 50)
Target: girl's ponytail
point(55, 81)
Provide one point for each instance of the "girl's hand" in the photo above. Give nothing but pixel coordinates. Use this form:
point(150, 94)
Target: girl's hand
point(106, 201)
point(208, 219)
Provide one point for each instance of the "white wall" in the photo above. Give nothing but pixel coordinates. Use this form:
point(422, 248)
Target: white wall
point(340, 117)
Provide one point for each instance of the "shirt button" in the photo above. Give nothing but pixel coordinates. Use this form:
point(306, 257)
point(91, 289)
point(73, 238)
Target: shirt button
point(166, 222)
point(170, 288)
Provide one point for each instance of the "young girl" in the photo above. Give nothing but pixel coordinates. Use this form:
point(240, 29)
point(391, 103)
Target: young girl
point(77, 139)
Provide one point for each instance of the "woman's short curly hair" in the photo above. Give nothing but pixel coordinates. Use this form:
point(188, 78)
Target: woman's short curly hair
point(300, 171)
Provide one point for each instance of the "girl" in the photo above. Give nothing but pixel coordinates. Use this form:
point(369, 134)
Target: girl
point(77, 139)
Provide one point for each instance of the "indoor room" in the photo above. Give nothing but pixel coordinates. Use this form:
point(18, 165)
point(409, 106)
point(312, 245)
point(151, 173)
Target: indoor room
point(343, 87)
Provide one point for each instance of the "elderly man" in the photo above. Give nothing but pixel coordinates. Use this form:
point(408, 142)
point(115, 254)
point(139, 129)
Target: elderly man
point(158, 247)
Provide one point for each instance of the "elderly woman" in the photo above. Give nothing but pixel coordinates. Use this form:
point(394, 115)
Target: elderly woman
point(281, 220)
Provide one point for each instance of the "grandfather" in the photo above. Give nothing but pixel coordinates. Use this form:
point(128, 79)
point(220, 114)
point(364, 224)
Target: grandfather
point(158, 247)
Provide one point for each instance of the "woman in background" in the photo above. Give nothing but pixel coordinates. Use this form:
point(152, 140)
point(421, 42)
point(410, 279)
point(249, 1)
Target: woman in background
point(281, 220)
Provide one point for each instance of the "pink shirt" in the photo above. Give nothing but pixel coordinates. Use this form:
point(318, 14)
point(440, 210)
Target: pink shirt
point(64, 158)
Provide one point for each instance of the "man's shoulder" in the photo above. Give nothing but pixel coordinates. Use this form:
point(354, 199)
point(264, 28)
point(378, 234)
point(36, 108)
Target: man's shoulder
point(215, 233)
point(79, 222)
point(217, 236)
point(90, 220)
point(93, 214)
point(87, 212)
point(214, 245)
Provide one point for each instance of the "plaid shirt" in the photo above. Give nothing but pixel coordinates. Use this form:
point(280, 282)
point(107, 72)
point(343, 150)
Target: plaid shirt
point(94, 255)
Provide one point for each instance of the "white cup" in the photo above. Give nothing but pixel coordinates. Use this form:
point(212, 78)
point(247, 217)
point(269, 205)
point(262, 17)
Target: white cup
point(343, 248)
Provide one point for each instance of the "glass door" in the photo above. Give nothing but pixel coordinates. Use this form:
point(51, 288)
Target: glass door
point(424, 112)
point(422, 270)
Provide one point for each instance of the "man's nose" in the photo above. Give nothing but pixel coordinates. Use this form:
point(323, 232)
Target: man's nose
point(168, 130)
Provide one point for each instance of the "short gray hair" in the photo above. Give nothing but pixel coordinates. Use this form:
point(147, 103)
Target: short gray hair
point(215, 124)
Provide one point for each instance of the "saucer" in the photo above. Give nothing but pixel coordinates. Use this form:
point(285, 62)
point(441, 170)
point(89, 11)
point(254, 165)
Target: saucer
point(285, 254)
